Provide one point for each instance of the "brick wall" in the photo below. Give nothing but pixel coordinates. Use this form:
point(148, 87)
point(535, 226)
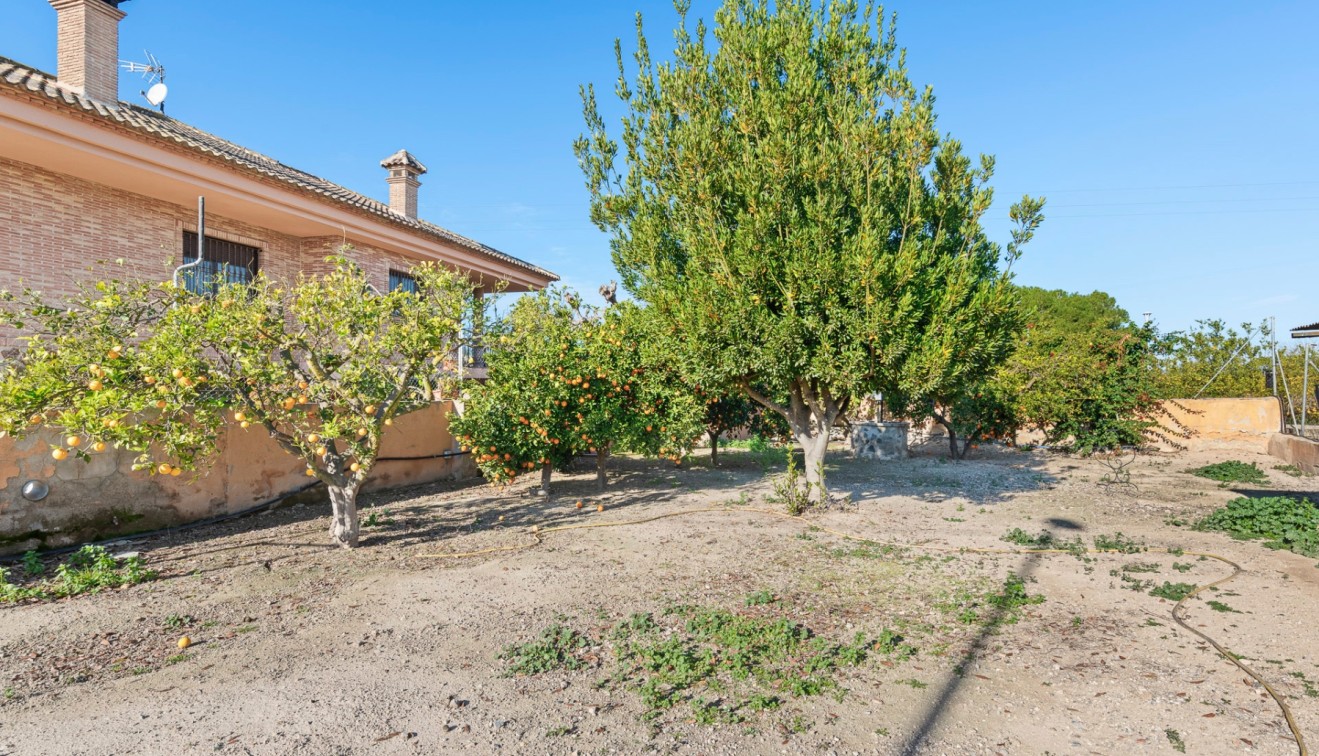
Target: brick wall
point(57, 231)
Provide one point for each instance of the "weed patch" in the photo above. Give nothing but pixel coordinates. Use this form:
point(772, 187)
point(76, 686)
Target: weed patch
point(720, 666)
point(1119, 543)
point(1283, 522)
point(556, 648)
point(1232, 471)
point(88, 570)
point(1172, 591)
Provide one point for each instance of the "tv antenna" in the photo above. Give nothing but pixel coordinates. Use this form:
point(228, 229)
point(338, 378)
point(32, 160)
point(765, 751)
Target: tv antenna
point(153, 71)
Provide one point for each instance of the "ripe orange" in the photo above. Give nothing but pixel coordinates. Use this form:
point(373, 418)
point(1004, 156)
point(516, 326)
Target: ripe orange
point(244, 424)
point(599, 507)
point(389, 421)
point(72, 441)
point(579, 505)
point(58, 453)
point(312, 438)
point(185, 641)
point(370, 409)
point(164, 468)
point(95, 385)
point(240, 416)
point(355, 467)
point(177, 373)
point(99, 446)
point(311, 473)
point(175, 471)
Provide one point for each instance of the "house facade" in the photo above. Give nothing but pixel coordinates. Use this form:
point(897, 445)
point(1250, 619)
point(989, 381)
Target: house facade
point(94, 188)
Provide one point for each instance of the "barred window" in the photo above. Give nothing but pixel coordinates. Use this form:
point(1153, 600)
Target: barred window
point(400, 280)
point(223, 262)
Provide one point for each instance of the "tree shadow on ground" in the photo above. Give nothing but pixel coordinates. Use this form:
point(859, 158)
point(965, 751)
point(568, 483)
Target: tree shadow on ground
point(1265, 493)
point(989, 475)
point(991, 625)
point(433, 512)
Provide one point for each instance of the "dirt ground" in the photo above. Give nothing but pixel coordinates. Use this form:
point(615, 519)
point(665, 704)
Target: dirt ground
point(301, 648)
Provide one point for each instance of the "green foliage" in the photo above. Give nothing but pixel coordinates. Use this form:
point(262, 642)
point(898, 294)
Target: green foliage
point(1172, 591)
point(1082, 374)
point(760, 598)
point(1291, 470)
point(1283, 522)
point(321, 365)
point(566, 379)
point(1232, 471)
point(32, 565)
point(1219, 606)
point(716, 650)
point(556, 648)
point(1117, 542)
point(1188, 359)
point(88, 570)
point(1045, 540)
point(993, 608)
point(818, 269)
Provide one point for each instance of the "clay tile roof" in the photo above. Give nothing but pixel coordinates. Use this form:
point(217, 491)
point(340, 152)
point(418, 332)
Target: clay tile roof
point(14, 75)
point(403, 159)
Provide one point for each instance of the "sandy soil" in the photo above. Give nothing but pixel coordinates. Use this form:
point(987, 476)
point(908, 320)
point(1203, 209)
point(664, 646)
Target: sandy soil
point(305, 649)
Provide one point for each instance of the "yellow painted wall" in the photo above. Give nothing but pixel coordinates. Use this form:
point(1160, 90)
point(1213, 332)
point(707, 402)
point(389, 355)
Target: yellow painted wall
point(1217, 422)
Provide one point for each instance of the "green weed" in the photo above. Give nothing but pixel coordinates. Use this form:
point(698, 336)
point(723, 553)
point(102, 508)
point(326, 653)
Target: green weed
point(1283, 522)
point(1232, 471)
point(1172, 591)
point(1291, 470)
point(1175, 738)
point(556, 648)
point(1119, 543)
point(88, 570)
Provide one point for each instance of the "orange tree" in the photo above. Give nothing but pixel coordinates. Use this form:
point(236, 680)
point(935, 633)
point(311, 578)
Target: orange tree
point(782, 199)
point(566, 380)
point(322, 366)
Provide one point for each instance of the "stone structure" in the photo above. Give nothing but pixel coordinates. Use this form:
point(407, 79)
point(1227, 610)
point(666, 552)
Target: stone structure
point(875, 440)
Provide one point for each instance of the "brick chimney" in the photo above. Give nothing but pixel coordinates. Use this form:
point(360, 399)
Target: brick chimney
point(88, 47)
point(403, 172)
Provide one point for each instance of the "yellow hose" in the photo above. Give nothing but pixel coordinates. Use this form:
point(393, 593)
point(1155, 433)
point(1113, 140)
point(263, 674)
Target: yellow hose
point(537, 534)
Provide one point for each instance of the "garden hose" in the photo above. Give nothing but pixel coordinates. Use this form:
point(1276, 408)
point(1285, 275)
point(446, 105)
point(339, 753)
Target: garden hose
point(538, 533)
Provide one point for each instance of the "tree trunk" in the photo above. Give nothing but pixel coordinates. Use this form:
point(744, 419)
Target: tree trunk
point(601, 457)
point(813, 451)
point(343, 523)
point(714, 448)
point(952, 436)
point(545, 472)
point(810, 413)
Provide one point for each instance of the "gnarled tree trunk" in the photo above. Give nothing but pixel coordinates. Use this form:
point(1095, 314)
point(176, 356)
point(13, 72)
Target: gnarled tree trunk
point(343, 521)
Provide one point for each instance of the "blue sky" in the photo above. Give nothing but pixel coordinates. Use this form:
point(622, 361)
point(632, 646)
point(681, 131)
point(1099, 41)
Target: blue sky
point(1175, 141)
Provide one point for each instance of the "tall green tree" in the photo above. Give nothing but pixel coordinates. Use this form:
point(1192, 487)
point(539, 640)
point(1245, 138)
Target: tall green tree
point(783, 202)
point(321, 364)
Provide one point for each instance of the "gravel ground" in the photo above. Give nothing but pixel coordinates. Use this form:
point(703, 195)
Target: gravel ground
point(300, 648)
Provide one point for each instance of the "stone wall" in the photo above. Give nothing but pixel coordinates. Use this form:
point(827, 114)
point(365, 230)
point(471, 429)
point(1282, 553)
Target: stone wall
point(105, 496)
point(874, 440)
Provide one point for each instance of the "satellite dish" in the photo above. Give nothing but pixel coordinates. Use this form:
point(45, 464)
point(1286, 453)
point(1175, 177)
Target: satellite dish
point(157, 93)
